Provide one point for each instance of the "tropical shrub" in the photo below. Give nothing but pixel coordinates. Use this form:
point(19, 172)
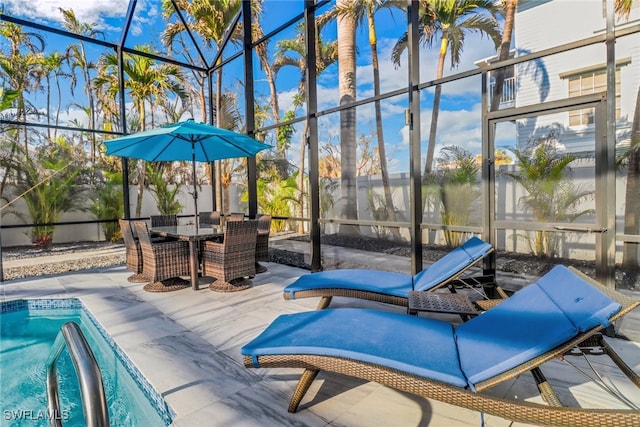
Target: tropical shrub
point(107, 204)
point(277, 196)
point(378, 208)
point(552, 196)
point(456, 180)
point(328, 188)
point(49, 180)
point(164, 195)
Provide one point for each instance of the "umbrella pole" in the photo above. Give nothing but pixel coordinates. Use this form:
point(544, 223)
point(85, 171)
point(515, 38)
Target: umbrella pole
point(195, 186)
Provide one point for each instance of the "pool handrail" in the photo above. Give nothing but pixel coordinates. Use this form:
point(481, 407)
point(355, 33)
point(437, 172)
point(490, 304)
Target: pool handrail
point(94, 401)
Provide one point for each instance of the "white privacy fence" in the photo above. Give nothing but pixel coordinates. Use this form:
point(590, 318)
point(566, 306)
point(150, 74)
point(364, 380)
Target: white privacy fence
point(508, 208)
point(93, 232)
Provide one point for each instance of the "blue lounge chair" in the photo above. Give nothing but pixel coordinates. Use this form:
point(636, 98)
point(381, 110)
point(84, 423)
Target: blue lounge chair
point(435, 359)
point(388, 287)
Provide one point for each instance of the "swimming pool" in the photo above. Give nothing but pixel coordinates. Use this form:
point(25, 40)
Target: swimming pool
point(28, 329)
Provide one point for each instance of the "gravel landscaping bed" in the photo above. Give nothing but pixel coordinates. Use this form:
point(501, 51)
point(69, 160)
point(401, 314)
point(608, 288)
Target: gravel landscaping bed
point(89, 257)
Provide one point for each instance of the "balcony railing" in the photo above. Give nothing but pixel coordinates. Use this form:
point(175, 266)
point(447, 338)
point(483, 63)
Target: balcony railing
point(508, 91)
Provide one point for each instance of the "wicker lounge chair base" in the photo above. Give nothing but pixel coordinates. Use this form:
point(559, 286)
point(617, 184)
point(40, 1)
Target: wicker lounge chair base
point(260, 268)
point(138, 278)
point(168, 285)
point(234, 285)
point(457, 364)
point(518, 411)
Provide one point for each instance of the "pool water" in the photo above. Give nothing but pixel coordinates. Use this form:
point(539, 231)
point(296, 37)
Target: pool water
point(28, 330)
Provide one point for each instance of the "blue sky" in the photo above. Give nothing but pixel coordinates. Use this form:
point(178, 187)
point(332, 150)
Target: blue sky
point(459, 120)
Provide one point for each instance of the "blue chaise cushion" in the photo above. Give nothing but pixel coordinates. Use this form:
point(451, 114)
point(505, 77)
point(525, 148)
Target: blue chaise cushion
point(411, 344)
point(585, 305)
point(533, 321)
point(394, 284)
point(383, 282)
point(454, 262)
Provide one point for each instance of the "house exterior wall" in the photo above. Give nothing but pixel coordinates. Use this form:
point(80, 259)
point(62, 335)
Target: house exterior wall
point(544, 24)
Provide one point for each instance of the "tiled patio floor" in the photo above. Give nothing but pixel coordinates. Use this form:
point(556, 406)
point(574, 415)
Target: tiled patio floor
point(187, 344)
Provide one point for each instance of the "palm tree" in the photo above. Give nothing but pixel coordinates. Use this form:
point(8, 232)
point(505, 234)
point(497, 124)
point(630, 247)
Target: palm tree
point(52, 64)
point(269, 68)
point(361, 10)
point(147, 82)
point(451, 20)
point(292, 52)
point(210, 20)
point(7, 96)
point(78, 57)
point(623, 8)
point(347, 93)
point(205, 23)
point(505, 45)
point(22, 68)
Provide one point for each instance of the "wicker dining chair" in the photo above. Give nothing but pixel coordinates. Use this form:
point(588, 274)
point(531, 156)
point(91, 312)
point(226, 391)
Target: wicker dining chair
point(262, 241)
point(209, 218)
point(235, 216)
point(162, 261)
point(133, 254)
point(233, 259)
point(164, 220)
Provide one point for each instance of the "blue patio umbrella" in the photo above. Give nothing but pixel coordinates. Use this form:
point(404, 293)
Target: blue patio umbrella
point(184, 141)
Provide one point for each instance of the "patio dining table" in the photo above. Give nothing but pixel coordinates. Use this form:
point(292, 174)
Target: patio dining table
point(193, 234)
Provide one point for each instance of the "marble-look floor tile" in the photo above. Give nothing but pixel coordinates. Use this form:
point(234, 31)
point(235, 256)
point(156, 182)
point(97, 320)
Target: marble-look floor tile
point(247, 409)
point(187, 344)
point(177, 361)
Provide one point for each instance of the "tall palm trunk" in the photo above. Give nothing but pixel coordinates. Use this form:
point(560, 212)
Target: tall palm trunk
point(92, 114)
point(275, 107)
point(347, 92)
point(505, 45)
point(384, 170)
point(203, 101)
point(444, 45)
point(55, 130)
point(21, 114)
point(48, 107)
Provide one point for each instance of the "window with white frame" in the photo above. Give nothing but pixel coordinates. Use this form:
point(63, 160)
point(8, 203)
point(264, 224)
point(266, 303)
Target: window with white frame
point(588, 81)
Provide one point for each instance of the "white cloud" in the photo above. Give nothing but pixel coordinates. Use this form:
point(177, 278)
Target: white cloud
point(73, 114)
point(392, 78)
point(95, 12)
point(285, 99)
point(462, 128)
